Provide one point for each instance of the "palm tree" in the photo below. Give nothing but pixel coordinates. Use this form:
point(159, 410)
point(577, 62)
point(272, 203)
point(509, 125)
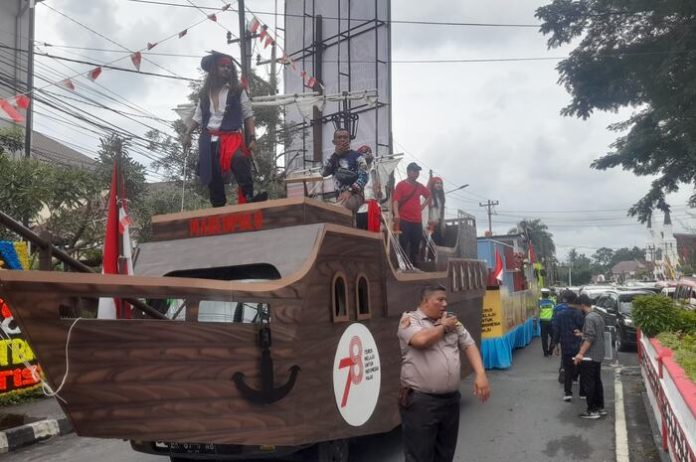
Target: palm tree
point(538, 233)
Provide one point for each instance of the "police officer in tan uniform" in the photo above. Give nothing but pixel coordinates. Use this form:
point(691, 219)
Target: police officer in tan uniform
point(431, 340)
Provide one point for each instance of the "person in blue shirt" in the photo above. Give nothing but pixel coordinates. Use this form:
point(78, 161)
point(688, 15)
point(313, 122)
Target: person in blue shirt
point(566, 322)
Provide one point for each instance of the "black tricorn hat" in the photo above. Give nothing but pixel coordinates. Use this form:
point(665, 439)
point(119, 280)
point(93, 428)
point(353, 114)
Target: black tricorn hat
point(209, 60)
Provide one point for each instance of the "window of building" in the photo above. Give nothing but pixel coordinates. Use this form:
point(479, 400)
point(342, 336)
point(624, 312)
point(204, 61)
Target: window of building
point(362, 297)
point(339, 298)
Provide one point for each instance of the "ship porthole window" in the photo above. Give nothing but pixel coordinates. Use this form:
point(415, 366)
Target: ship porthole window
point(339, 298)
point(362, 297)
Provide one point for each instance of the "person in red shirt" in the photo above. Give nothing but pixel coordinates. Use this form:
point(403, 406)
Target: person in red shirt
point(408, 210)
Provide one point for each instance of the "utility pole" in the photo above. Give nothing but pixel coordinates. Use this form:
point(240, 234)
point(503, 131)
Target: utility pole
point(243, 44)
point(28, 129)
point(274, 86)
point(317, 126)
point(489, 205)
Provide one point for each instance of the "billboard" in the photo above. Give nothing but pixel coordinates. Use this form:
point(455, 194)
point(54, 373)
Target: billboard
point(346, 45)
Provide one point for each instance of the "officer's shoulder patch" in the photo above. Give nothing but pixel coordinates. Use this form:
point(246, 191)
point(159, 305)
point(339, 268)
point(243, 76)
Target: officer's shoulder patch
point(406, 319)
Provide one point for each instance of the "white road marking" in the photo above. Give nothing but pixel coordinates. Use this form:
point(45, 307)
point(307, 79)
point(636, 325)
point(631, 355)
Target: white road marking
point(620, 419)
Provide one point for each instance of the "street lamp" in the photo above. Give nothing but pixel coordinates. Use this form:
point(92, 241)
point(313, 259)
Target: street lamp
point(457, 189)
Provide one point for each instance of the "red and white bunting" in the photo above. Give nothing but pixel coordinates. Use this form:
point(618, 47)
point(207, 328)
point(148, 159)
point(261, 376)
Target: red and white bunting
point(150, 46)
point(94, 73)
point(67, 83)
point(254, 25)
point(11, 111)
point(212, 17)
point(22, 101)
point(226, 7)
point(137, 58)
point(267, 38)
point(183, 32)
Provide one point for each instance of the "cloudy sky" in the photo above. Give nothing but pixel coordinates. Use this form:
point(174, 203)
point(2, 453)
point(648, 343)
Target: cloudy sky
point(493, 125)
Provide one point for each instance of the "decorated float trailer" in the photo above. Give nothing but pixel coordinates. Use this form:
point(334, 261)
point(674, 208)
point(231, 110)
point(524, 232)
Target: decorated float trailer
point(279, 333)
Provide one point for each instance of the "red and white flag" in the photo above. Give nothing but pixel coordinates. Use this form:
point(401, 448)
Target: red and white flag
point(22, 101)
point(311, 82)
point(94, 73)
point(150, 46)
point(183, 32)
point(67, 83)
point(532, 253)
point(137, 58)
point(117, 249)
point(212, 17)
point(226, 7)
point(499, 269)
point(11, 111)
point(269, 41)
point(254, 25)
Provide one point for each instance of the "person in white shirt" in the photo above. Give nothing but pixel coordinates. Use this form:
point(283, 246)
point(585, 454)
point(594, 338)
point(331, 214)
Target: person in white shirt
point(228, 131)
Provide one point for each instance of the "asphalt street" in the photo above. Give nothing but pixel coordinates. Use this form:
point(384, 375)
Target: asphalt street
point(525, 420)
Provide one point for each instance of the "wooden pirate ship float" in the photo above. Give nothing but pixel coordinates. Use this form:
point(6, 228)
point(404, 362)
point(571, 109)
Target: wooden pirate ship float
point(278, 329)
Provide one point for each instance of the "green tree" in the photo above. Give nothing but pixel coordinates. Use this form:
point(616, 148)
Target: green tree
point(626, 254)
point(541, 238)
point(638, 54)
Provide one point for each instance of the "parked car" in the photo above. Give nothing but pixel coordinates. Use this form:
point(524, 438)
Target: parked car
point(594, 291)
point(615, 306)
point(685, 292)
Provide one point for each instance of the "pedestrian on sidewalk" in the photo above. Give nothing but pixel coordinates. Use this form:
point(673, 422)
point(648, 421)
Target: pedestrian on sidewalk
point(545, 306)
point(589, 358)
point(566, 323)
point(431, 340)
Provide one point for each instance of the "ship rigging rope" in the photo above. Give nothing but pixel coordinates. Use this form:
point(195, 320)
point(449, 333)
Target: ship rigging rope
point(45, 387)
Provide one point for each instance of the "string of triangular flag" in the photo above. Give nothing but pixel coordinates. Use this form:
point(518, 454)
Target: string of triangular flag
point(11, 106)
point(267, 38)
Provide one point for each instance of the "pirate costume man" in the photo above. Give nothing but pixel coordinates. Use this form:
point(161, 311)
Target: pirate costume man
point(227, 131)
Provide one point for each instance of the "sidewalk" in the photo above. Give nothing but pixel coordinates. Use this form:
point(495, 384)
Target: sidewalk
point(43, 419)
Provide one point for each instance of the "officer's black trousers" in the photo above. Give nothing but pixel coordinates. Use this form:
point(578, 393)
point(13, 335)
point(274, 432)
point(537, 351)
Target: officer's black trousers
point(430, 425)
point(545, 336)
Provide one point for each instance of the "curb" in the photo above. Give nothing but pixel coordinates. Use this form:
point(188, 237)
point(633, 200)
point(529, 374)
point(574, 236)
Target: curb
point(25, 435)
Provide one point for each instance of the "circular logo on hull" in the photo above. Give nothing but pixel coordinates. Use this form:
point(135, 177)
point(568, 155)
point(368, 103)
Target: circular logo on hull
point(356, 375)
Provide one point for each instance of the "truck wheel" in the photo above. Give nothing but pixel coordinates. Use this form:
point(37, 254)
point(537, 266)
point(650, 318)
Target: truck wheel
point(328, 451)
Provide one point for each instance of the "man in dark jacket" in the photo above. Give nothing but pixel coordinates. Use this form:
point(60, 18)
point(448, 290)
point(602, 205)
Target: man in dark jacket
point(567, 321)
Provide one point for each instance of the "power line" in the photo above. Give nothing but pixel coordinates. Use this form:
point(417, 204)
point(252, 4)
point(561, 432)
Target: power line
point(393, 21)
point(105, 66)
point(105, 37)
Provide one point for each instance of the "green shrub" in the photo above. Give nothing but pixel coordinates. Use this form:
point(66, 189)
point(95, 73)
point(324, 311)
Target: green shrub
point(687, 360)
point(669, 339)
point(654, 314)
point(686, 321)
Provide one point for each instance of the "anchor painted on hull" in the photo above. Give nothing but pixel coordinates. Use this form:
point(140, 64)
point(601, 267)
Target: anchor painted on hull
point(268, 393)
